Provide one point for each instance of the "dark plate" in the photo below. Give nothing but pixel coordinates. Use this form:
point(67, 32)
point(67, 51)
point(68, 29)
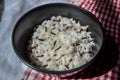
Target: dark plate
point(24, 28)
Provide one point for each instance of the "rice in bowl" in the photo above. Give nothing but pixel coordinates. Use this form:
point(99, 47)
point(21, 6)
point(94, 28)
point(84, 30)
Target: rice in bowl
point(60, 43)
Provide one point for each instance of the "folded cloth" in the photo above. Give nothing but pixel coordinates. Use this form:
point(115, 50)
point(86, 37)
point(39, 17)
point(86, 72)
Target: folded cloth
point(11, 68)
point(107, 65)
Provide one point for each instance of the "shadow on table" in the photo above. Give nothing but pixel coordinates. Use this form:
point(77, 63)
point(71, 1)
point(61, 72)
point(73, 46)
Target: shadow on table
point(1, 8)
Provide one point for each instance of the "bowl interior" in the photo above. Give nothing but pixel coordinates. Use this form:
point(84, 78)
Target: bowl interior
point(24, 27)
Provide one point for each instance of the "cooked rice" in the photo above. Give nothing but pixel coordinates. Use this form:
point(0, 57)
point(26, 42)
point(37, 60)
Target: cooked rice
point(60, 43)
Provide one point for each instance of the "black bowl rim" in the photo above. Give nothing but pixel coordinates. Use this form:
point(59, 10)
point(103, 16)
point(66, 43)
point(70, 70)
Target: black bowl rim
point(49, 71)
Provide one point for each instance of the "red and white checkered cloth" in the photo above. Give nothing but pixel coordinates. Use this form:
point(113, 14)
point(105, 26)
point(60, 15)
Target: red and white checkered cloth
point(107, 66)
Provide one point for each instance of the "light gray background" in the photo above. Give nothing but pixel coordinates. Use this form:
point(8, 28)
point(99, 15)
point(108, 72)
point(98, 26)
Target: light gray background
point(10, 66)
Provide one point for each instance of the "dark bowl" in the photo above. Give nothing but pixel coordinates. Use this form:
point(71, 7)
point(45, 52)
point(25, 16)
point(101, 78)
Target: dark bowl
point(24, 28)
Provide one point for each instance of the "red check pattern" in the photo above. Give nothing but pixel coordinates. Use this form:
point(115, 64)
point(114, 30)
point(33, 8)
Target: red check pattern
point(107, 66)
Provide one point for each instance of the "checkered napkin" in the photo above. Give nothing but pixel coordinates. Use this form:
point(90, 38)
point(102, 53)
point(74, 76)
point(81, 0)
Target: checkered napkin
point(107, 65)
